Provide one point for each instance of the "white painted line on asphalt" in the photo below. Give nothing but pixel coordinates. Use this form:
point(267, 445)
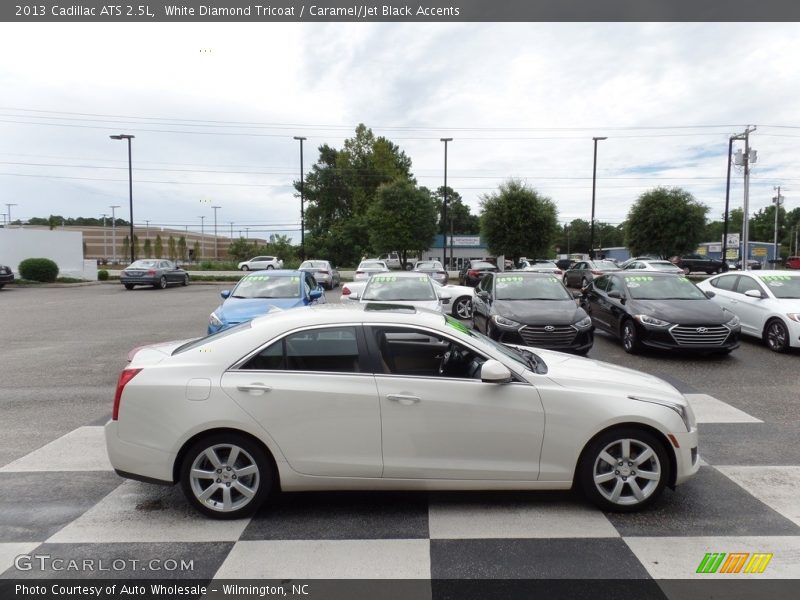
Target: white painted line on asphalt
point(9, 551)
point(777, 487)
point(328, 559)
point(140, 512)
point(454, 520)
point(82, 449)
point(708, 409)
point(679, 557)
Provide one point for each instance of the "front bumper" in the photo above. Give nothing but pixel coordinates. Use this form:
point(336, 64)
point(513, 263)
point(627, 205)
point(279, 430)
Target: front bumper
point(581, 342)
point(687, 455)
point(6, 278)
point(669, 338)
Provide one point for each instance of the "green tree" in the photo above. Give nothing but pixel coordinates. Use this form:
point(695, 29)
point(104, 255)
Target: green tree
point(196, 250)
point(239, 250)
point(148, 248)
point(463, 221)
point(518, 221)
point(665, 222)
point(402, 218)
point(136, 248)
point(172, 248)
point(124, 248)
point(159, 247)
point(182, 248)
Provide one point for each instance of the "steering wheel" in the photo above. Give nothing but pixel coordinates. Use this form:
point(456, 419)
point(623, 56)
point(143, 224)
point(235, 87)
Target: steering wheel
point(452, 360)
point(447, 359)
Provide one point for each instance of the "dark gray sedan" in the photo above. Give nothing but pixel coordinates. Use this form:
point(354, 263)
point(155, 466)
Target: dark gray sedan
point(583, 272)
point(156, 272)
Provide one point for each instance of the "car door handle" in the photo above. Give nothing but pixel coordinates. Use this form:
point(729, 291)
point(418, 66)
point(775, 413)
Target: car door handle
point(255, 389)
point(403, 399)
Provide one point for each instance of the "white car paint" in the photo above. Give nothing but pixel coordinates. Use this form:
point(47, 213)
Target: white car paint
point(450, 295)
point(258, 263)
point(377, 430)
point(755, 313)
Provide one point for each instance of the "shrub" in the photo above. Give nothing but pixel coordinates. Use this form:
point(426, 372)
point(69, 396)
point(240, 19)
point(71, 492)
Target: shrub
point(102, 275)
point(38, 269)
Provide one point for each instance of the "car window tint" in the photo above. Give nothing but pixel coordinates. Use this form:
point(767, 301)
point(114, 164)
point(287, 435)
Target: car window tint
point(601, 283)
point(726, 282)
point(486, 283)
point(333, 349)
point(614, 284)
point(406, 351)
point(270, 359)
point(746, 283)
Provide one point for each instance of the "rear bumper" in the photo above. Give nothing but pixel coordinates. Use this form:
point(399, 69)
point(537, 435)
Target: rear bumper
point(135, 461)
point(139, 280)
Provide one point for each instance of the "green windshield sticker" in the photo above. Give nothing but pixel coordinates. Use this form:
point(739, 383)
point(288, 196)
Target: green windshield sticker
point(638, 278)
point(776, 277)
point(257, 277)
point(383, 278)
point(458, 325)
point(294, 279)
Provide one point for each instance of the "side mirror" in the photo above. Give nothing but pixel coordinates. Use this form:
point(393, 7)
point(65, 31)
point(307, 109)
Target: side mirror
point(754, 294)
point(225, 294)
point(315, 294)
point(709, 294)
point(483, 295)
point(493, 371)
point(444, 296)
point(576, 294)
point(615, 294)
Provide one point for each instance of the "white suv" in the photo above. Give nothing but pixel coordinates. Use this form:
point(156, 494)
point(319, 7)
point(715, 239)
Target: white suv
point(260, 262)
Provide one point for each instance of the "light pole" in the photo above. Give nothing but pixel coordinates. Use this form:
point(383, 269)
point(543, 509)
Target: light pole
point(127, 137)
point(594, 185)
point(113, 208)
point(744, 160)
point(4, 219)
point(231, 223)
point(444, 205)
point(202, 236)
point(105, 245)
point(216, 252)
point(247, 232)
point(777, 200)
point(302, 202)
point(727, 207)
point(8, 212)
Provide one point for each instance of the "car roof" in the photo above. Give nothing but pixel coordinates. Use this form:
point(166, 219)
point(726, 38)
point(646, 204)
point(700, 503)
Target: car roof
point(401, 275)
point(760, 272)
point(355, 312)
point(276, 273)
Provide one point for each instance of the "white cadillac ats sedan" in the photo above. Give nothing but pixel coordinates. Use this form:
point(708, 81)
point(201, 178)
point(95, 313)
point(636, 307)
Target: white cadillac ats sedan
point(381, 397)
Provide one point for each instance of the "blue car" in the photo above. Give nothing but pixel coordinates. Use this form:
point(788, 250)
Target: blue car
point(264, 292)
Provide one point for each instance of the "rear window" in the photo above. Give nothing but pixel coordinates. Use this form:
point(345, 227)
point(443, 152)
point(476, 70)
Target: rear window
point(482, 265)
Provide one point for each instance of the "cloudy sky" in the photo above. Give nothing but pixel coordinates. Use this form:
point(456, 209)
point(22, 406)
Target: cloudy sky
point(214, 108)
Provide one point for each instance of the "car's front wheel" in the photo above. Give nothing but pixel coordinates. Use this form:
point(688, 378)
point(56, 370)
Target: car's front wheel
point(624, 469)
point(462, 308)
point(245, 268)
point(185, 281)
point(226, 476)
point(630, 338)
point(776, 335)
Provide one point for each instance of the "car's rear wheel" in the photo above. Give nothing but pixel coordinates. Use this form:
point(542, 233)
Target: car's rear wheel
point(245, 268)
point(226, 476)
point(463, 308)
point(776, 336)
point(129, 286)
point(624, 469)
point(630, 337)
point(269, 267)
point(161, 284)
point(686, 270)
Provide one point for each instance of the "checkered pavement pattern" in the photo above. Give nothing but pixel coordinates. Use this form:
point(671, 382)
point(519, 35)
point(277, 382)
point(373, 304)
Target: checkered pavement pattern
point(64, 500)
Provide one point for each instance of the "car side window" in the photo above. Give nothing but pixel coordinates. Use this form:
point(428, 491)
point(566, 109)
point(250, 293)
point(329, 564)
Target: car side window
point(333, 349)
point(486, 283)
point(412, 352)
point(726, 282)
point(601, 283)
point(614, 285)
point(746, 284)
point(311, 283)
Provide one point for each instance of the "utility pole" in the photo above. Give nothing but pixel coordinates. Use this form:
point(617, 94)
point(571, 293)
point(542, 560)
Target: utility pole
point(594, 184)
point(114, 232)
point(8, 212)
point(202, 236)
point(777, 200)
point(105, 245)
point(444, 206)
point(216, 244)
point(727, 208)
point(231, 222)
point(745, 160)
point(302, 202)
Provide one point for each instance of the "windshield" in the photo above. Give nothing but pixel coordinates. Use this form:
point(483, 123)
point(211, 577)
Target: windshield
point(603, 265)
point(526, 287)
point(482, 265)
point(545, 263)
point(429, 265)
point(646, 287)
point(527, 359)
point(783, 286)
point(387, 288)
point(373, 264)
point(314, 264)
point(143, 264)
point(267, 286)
point(210, 338)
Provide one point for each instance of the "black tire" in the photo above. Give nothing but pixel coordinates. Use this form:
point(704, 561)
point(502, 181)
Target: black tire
point(598, 479)
point(686, 270)
point(260, 482)
point(185, 281)
point(269, 267)
point(245, 268)
point(566, 281)
point(162, 283)
point(129, 286)
point(630, 337)
point(462, 308)
point(776, 336)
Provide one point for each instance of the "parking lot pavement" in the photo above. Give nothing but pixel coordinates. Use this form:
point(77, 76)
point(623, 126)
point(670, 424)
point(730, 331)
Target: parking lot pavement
point(62, 350)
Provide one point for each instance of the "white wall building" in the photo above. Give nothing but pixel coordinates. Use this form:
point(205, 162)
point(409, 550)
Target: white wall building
point(65, 248)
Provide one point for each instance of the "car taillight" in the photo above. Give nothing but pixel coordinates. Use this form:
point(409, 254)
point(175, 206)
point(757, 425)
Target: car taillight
point(472, 273)
point(151, 272)
point(359, 272)
point(345, 291)
point(124, 378)
point(557, 272)
point(597, 272)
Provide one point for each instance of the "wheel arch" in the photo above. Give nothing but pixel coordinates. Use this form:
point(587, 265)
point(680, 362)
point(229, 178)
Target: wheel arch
point(659, 435)
point(176, 466)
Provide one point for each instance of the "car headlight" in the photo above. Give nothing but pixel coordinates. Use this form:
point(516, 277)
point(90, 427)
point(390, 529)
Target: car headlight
point(794, 316)
point(214, 320)
point(648, 320)
point(584, 323)
point(503, 322)
point(685, 412)
point(734, 322)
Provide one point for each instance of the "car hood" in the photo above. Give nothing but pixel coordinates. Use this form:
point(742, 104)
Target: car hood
point(684, 312)
point(539, 312)
point(591, 375)
point(236, 310)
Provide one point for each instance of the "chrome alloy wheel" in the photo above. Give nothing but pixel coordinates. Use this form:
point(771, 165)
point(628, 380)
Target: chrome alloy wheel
point(627, 472)
point(777, 336)
point(463, 308)
point(224, 478)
